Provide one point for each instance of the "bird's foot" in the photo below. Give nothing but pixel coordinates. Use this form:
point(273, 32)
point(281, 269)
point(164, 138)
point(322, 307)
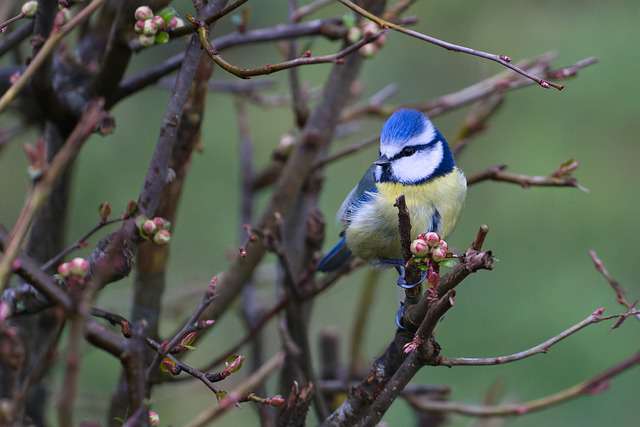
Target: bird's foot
point(399, 316)
point(402, 282)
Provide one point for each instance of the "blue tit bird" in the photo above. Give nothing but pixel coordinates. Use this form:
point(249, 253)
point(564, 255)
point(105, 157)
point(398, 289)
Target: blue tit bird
point(415, 161)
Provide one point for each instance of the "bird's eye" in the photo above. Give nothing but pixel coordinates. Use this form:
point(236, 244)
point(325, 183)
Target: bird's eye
point(408, 151)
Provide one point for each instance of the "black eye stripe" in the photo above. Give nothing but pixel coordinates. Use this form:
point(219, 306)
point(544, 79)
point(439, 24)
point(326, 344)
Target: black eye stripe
point(414, 148)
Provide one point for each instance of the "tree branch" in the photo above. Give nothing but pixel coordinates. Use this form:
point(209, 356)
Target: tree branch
point(593, 386)
point(503, 60)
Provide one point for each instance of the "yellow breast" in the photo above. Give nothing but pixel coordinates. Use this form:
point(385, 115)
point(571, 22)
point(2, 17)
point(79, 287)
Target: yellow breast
point(373, 231)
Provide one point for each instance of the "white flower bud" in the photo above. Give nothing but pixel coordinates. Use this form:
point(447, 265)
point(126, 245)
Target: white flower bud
point(29, 9)
point(150, 28)
point(146, 41)
point(143, 13)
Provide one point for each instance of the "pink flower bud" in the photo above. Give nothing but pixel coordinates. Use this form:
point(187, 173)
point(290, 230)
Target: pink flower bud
point(150, 28)
point(370, 28)
point(162, 237)
point(146, 41)
point(5, 311)
point(161, 222)
point(432, 239)
point(79, 266)
point(149, 227)
point(419, 247)
point(175, 23)
point(368, 50)
point(442, 244)
point(29, 9)
point(158, 21)
point(143, 13)
point(354, 34)
point(234, 365)
point(276, 401)
point(14, 77)
point(138, 27)
point(64, 269)
point(154, 419)
point(438, 254)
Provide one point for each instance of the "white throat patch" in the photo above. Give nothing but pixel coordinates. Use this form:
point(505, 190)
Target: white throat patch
point(419, 166)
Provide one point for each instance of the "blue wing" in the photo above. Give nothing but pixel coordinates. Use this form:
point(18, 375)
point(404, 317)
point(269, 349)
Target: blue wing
point(361, 193)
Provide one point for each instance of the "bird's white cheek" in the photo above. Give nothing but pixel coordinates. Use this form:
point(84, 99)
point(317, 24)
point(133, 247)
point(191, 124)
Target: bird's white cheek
point(419, 166)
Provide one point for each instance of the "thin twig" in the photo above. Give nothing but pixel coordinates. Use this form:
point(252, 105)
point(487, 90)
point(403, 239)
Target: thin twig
point(593, 318)
point(500, 83)
point(346, 151)
point(5, 24)
point(188, 327)
point(308, 9)
point(271, 313)
point(500, 59)
point(621, 296)
point(245, 73)
point(15, 37)
point(40, 192)
point(242, 390)
point(593, 386)
point(498, 173)
point(54, 39)
point(78, 243)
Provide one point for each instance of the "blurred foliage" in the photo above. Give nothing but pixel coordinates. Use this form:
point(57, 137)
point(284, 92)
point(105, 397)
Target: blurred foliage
point(544, 281)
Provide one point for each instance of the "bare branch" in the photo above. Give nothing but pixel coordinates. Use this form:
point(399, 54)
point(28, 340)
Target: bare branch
point(595, 385)
point(54, 39)
point(246, 73)
point(560, 178)
point(40, 192)
point(593, 318)
point(500, 83)
point(15, 37)
point(500, 59)
point(242, 390)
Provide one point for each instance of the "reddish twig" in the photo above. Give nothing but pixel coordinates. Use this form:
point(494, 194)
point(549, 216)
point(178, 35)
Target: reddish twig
point(498, 173)
point(80, 243)
point(40, 192)
point(500, 83)
point(593, 318)
point(190, 326)
point(245, 73)
point(503, 60)
point(239, 393)
point(593, 386)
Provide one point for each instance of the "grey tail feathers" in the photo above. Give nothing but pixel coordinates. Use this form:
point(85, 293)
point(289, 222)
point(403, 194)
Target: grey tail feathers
point(336, 257)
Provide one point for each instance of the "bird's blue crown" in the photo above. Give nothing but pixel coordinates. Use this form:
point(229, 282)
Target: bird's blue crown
point(404, 124)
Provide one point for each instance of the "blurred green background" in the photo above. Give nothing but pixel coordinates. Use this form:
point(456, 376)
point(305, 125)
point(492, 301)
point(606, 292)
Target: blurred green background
point(544, 280)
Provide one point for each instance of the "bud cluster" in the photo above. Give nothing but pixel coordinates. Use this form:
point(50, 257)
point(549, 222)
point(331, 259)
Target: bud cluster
point(74, 271)
point(154, 29)
point(430, 245)
point(154, 419)
point(365, 30)
point(29, 9)
point(154, 229)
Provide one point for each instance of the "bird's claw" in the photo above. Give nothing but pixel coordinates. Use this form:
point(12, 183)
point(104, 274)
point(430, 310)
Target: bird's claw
point(402, 282)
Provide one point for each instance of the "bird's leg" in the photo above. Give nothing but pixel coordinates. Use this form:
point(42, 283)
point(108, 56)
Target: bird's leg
point(399, 265)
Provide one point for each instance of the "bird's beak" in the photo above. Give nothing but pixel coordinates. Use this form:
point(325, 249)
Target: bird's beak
point(382, 161)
